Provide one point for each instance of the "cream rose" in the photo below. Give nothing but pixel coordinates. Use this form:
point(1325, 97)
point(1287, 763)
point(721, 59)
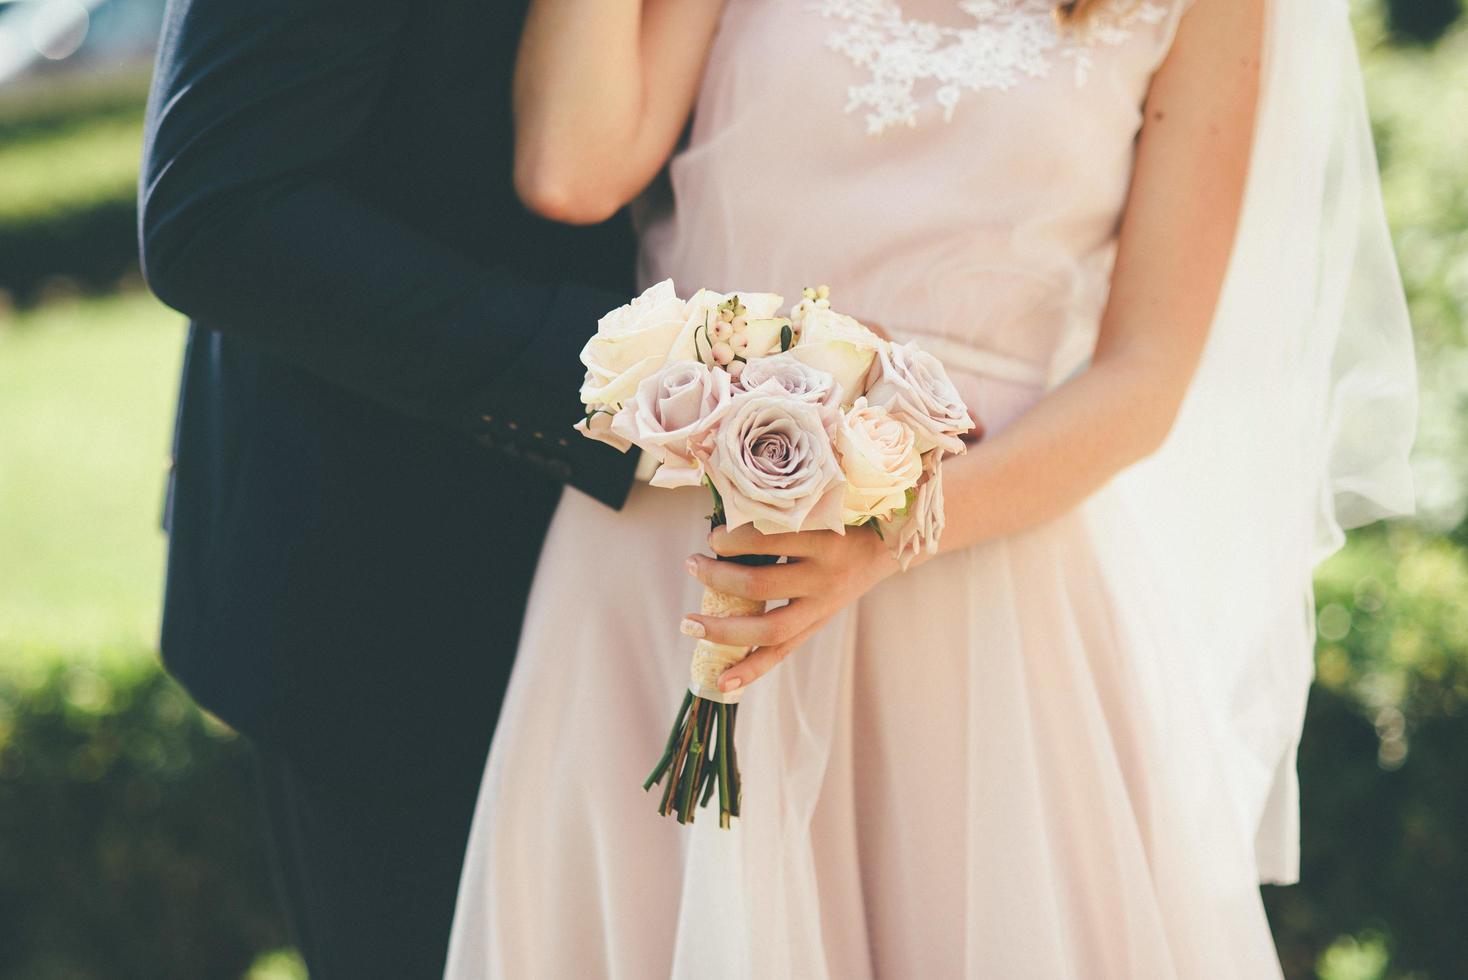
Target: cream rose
point(915, 387)
point(630, 343)
point(774, 467)
point(672, 410)
point(839, 345)
point(762, 330)
point(879, 456)
point(785, 374)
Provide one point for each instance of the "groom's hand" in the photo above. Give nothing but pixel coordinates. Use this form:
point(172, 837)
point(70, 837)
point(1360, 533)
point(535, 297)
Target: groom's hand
point(824, 572)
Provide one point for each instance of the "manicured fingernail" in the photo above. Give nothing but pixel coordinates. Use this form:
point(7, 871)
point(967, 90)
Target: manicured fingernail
point(692, 565)
point(691, 627)
point(730, 684)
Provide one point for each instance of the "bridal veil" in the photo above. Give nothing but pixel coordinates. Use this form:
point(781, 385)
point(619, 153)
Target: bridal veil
point(1300, 419)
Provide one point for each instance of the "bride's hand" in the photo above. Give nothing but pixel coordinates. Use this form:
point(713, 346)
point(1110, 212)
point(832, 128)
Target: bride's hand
point(825, 572)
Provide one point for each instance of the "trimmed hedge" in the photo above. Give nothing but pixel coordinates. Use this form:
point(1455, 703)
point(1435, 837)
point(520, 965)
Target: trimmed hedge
point(1384, 799)
point(90, 249)
point(69, 156)
point(1384, 859)
point(1422, 21)
point(130, 844)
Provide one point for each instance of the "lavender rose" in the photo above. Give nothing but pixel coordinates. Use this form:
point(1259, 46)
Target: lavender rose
point(915, 388)
point(785, 374)
point(773, 465)
point(674, 409)
point(880, 459)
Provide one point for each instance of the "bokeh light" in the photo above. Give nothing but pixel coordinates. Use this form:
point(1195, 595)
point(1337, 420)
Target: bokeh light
point(57, 28)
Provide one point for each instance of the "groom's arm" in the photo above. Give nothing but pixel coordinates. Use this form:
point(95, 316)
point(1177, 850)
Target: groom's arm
point(244, 229)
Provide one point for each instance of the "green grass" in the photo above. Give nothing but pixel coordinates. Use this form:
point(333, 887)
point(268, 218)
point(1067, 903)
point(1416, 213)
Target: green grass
point(86, 398)
point(31, 105)
point(280, 964)
point(70, 168)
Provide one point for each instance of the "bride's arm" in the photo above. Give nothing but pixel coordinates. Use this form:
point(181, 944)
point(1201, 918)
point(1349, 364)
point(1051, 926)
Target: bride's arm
point(1176, 237)
point(1175, 241)
point(602, 91)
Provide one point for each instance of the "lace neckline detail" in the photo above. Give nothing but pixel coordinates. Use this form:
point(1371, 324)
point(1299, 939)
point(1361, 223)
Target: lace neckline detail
point(1011, 40)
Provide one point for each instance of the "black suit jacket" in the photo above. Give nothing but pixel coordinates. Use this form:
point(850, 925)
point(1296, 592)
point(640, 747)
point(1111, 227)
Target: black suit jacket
point(381, 375)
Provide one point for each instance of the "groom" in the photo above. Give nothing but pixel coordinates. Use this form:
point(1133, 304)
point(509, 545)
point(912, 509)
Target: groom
point(373, 431)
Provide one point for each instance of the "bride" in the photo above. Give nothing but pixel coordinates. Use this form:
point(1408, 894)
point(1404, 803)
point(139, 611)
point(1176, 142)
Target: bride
point(1145, 238)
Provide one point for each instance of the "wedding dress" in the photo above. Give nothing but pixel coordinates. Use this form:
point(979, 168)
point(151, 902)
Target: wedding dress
point(1066, 753)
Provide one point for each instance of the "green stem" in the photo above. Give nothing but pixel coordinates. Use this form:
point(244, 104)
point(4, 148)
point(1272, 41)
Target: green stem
point(725, 812)
point(700, 756)
point(672, 745)
point(736, 782)
point(689, 776)
point(678, 765)
point(713, 772)
point(710, 774)
point(700, 761)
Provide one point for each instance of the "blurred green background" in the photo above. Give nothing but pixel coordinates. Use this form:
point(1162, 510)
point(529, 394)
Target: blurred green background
point(130, 844)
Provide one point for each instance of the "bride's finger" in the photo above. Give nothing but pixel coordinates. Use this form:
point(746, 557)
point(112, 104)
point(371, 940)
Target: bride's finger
point(767, 629)
point(763, 582)
point(745, 540)
point(762, 661)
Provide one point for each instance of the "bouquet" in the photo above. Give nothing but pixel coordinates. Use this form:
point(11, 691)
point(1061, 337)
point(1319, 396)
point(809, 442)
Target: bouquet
point(795, 422)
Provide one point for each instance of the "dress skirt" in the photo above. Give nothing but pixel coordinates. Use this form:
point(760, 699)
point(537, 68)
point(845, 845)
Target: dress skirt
point(999, 764)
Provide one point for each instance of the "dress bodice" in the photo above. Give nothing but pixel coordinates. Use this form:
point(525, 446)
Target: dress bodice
point(952, 170)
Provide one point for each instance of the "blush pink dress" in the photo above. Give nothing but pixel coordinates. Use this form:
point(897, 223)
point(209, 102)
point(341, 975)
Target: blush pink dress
point(1001, 764)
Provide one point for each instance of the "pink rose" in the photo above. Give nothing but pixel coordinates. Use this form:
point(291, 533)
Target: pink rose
point(598, 425)
point(915, 388)
point(788, 375)
point(773, 465)
point(672, 410)
point(919, 529)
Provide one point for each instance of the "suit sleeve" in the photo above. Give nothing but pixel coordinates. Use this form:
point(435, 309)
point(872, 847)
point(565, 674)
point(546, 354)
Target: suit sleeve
point(244, 229)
